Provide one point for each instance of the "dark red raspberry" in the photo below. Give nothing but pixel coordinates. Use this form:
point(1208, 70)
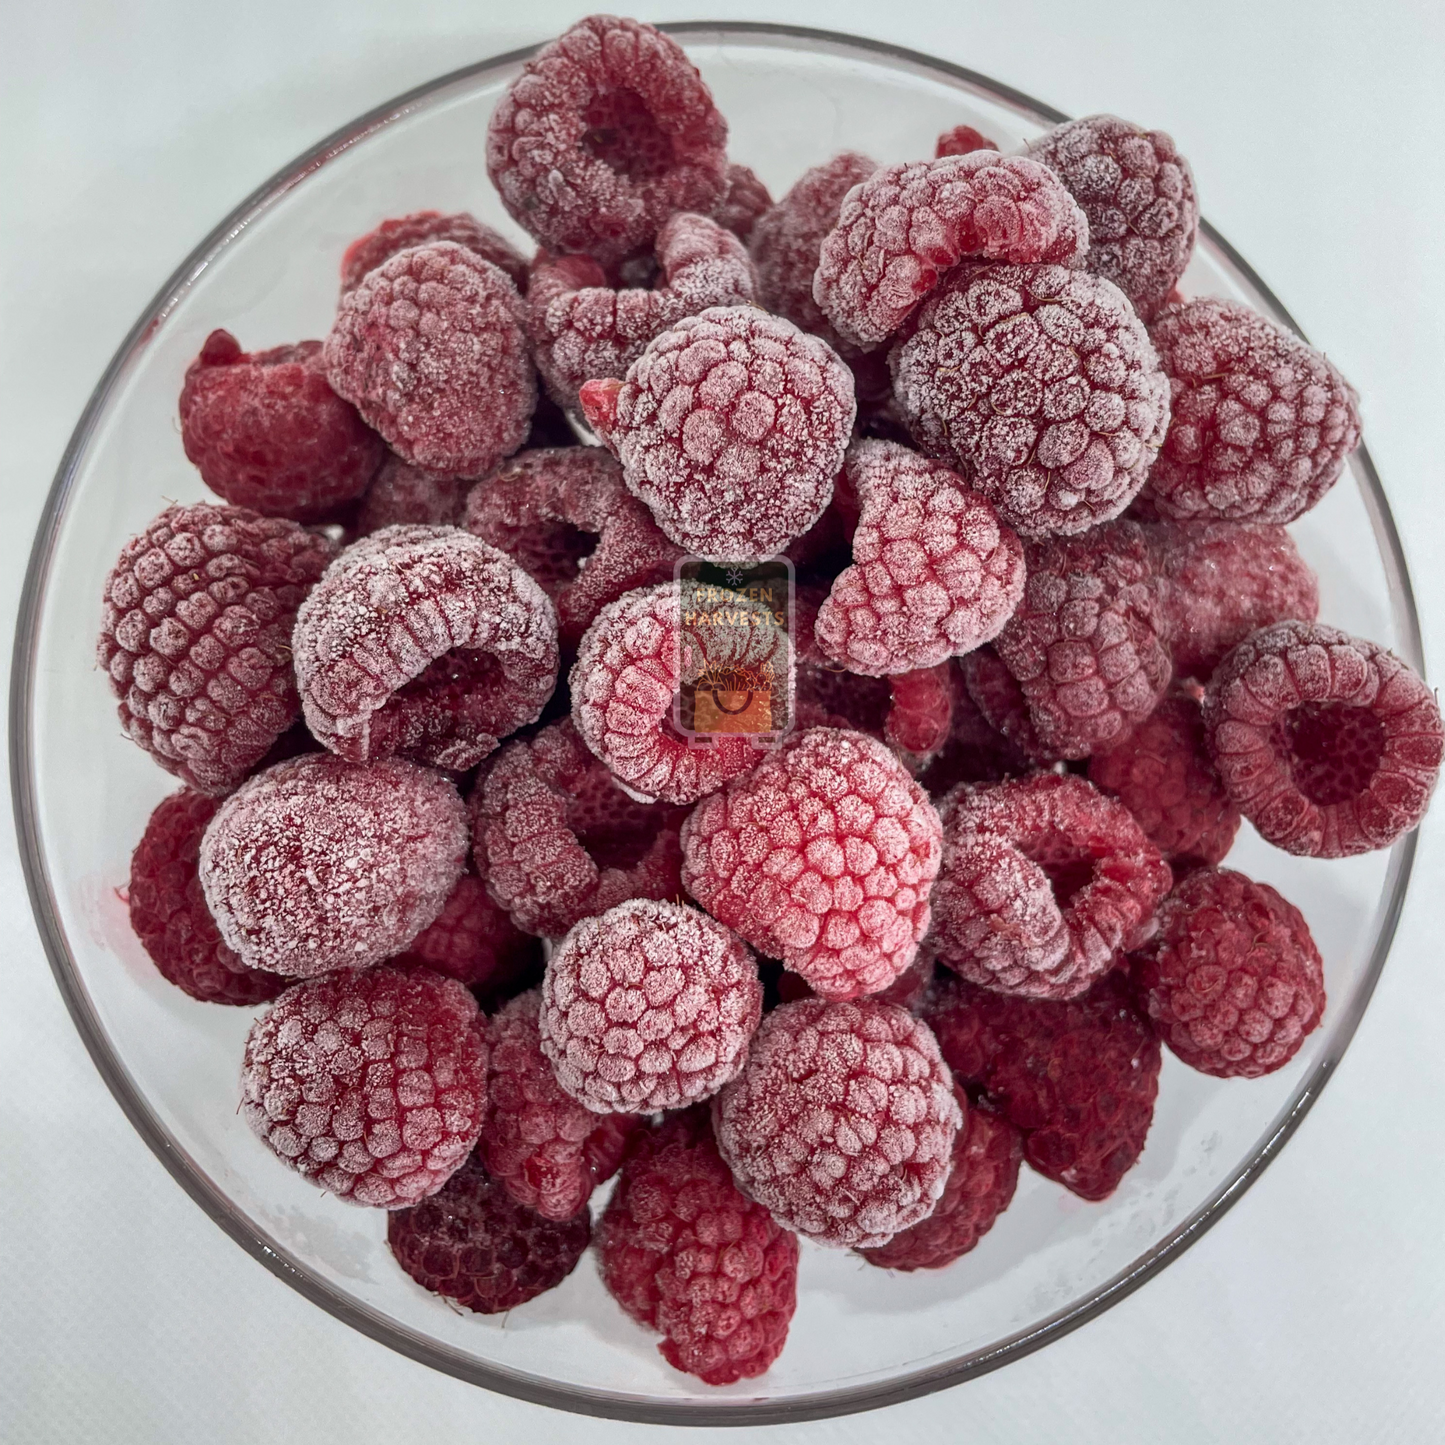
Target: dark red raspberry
point(934, 571)
point(908, 990)
point(746, 199)
point(1044, 880)
point(842, 1123)
point(605, 134)
point(421, 228)
point(472, 1243)
point(558, 840)
point(318, 864)
point(974, 750)
point(685, 1253)
point(1233, 981)
point(920, 720)
point(370, 1082)
point(1041, 383)
point(1328, 744)
point(1138, 193)
point(907, 224)
point(169, 915)
point(1087, 642)
point(1261, 425)
point(196, 637)
point(403, 495)
point(1079, 1078)
point(474, 941)
point(962, 140)
point(995, 692)
point(826, 694)
point(823, 856)
point(425, 642)
point(432, 350)
point(649, 1006)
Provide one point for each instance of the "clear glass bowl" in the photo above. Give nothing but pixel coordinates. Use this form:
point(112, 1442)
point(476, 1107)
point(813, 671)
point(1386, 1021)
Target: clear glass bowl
point(862, 1337)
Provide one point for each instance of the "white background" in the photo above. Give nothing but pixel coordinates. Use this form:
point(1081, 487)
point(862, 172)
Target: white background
point(1316, 1309)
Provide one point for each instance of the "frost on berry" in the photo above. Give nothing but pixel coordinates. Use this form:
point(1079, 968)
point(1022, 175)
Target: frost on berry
point(962, 140)
point(1329, 744)
point(421, 228)
point(403, 495)
point(425, 642)
point(370, 1083)
point(474, 941)
point(319, 864)
point(746, 199)
point(648, 1006)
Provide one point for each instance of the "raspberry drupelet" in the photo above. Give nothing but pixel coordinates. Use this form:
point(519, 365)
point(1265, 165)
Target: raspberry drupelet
point(403, 495)
point(318, 864)
point(369, 1082)
point(425, 642)
point(474, 941)
point(1044, 880)
point(1042, 385)
point(648, 1006)
point(196, 637)
point(432, 351)
point(607, 132)
point(1329, 744)
point(747, 198)
point(824, 857)
point(962, 140)
point(421, 228)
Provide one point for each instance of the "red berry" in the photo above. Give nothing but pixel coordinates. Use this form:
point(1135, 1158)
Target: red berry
point(962, 140)
point(474, 941)
point(974, 751)
point(920, 720)
point(995, 692)
point(746, 199)
point(401, 494)
point(421, 228)
point(908, 990)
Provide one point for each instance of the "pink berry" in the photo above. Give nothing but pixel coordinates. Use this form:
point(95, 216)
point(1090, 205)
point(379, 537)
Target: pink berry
point(474, 941)
point(920, 717)
point(962, 140)
point(421, 228)
point(746, 199)
point(403, 495)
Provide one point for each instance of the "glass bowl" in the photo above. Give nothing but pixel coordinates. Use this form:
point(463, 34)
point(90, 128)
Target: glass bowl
point(862, 1337)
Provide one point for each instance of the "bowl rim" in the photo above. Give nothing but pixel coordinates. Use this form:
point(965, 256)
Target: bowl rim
point(701, 1411)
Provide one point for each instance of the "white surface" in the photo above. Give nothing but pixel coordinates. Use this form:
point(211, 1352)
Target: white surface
point(1316, 1309)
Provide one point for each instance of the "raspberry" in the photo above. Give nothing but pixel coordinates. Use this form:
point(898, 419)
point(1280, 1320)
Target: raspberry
point(974, 751)
point(630, 664)
point(169, 915)
point(427, 642)
point(827, 695)
point(842, 1123)
point(1044, 880)
point(470, 1242)
point(731, 427)
point(559, 841)
point(908, 990)
point(605, 134)
point(1138, 193)
point(685, 1253)
point(582, 329)
point(823, 856)
point(196, 637)
point(1085, 643)
point(317, 864)
point(1041, 384)
point(1079, 1078)
point(474, 941)
point(1233, 981)
point(746, 199)
point(403, 495)
point(1262, 423)
point(566, 516)
point(920, 719)
point(934, 571)
point(987, 1152)
point(1328, 744)
point(266, 430)
point(421, 228)
point(962, 140)
point(907, 224)
point(369, 1082)
point(431, 349)
point(1000, 701)
point(648, 1006)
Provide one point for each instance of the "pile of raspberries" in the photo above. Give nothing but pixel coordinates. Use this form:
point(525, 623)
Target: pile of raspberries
point(512, 932)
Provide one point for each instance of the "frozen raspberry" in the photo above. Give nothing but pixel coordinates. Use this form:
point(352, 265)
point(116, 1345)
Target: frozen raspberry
point(746, 199)
point(684, 1252)
point(559, 841)
point(196, 637)
point(421, 228)
point(974, 751)
point(370, 1082)
point(962, 140)
point(934, 571)
point(1041, 383)
point(474, 941)
point(403, 495)
point(169, 915)
point(1138, 193)
point(827, 694)
point(424, 641)
point(1086, 643)
point(823, 856)
point(1262, 423)
point(908, 990)
point(566, 516)
point(431, 349)
point(318, 864)
point(1044, 880)
point(920, 719)
point(648, 1006)
point(583, 329)
point(605, 134)
point(472, 1243)
point(907, 224)
point(1000, 701)
point(842, 1123)
point(629, 667)
point(1328, 744)
point(1079, 1078)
